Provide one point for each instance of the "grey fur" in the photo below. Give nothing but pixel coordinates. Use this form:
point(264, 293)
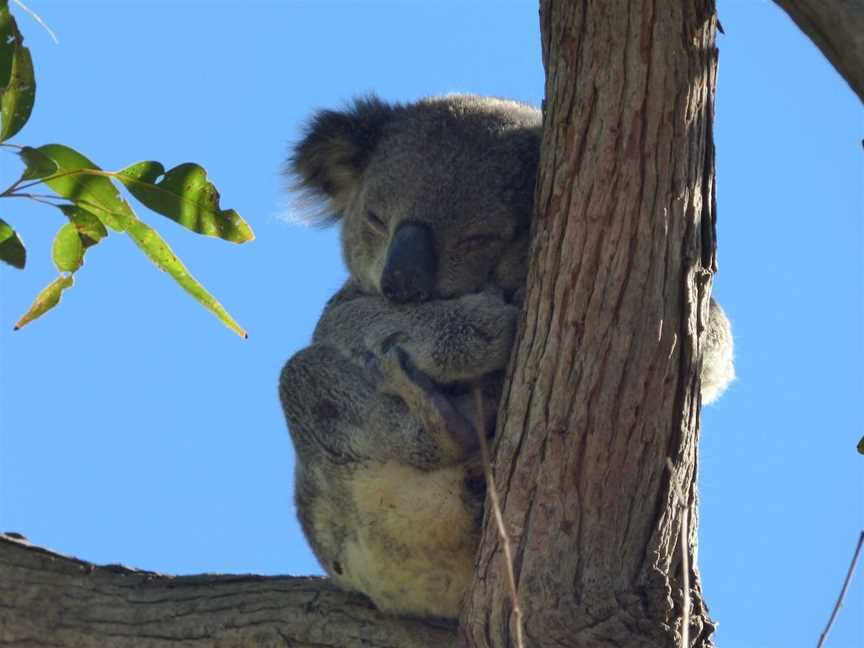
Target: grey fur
point(388, 486)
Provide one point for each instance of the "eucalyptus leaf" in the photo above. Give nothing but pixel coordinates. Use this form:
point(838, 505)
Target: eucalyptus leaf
point(8, 42)
point(46, 300)
point(185, 195)
point(158, 251)
point(67, 250)
point(79, 180)
point(90, 228)
point(12, 249)
point(37, 164)
point(19, 94)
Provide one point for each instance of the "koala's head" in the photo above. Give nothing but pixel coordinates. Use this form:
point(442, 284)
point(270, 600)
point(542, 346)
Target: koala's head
point(435, 197)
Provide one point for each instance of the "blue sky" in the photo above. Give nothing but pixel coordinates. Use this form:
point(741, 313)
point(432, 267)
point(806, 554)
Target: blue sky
point(134, 428)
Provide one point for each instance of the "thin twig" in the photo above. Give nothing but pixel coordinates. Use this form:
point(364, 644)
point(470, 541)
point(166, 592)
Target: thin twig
point(39, 20)
point(840, 598)
point(496, 512)
point(685, 557)
point(40, 198)
point(20, 184)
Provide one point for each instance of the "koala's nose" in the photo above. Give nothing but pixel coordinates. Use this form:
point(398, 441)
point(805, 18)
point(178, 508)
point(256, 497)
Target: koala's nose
point(411, 267)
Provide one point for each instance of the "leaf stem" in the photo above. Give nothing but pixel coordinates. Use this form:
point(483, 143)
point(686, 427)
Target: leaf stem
point(13, 187)
point(40, 198)
point(97, 172)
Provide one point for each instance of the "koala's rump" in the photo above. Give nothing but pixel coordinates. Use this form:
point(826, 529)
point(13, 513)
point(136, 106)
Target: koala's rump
point(412, 550)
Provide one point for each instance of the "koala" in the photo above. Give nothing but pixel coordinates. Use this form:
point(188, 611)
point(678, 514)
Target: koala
point(435, 201)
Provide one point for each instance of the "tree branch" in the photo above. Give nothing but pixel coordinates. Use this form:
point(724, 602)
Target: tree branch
point(837, 28)
point(51, 600)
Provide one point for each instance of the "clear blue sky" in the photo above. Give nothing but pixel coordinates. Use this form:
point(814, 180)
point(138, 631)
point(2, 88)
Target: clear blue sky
point(134, 428)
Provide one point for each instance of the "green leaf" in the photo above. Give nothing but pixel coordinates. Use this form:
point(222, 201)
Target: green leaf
point(11, 248)
point(86, 185)
point(155, 247)
point(8, 43)
point(38, 165)
point(90, 228)
point(19, 93)
point(185, 195)
point(46, 300)
point(68, 250)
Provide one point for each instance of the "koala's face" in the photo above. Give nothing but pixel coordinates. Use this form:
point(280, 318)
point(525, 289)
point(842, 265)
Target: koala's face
point(435, 197)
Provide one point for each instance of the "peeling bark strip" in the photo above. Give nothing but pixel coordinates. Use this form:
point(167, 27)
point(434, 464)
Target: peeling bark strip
point(837, 29)
point(603, 384)
point(50, 600)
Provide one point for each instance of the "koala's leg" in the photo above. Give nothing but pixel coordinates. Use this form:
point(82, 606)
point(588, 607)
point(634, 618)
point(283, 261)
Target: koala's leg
point(387, 509)
point(338, 410)
point(325, 401)
point(718, 369)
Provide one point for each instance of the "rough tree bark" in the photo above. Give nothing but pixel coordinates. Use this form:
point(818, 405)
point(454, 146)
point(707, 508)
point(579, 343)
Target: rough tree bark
point(603, 384)
point(51, 600)
point(837, 29)
point(604, 378)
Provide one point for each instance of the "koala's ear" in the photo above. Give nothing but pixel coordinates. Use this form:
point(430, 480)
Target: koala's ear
point(328, 162)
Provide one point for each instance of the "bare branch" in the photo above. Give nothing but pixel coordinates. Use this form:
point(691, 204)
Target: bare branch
point(49, 599)
point(845, 587)
point(837, 29)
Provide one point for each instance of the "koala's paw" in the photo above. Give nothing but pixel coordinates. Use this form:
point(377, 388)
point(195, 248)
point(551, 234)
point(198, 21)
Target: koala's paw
point(400, 377)
point(476, 340)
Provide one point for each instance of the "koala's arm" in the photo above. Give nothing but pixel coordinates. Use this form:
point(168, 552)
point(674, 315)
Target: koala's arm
point(718, 369)
point(450, 341)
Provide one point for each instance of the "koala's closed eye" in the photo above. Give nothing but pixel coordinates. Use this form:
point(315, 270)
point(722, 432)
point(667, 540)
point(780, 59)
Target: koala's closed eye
point(476, 242)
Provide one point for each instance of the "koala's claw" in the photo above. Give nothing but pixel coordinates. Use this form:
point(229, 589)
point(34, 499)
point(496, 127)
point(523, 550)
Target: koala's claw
point(391, 340)
point(425, 398)
point(412, 372)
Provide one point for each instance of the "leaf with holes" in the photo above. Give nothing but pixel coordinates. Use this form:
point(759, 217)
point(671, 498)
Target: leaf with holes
point(186, 196)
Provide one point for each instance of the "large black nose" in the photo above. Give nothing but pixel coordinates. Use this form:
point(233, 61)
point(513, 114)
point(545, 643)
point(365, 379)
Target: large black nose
point(411, 267)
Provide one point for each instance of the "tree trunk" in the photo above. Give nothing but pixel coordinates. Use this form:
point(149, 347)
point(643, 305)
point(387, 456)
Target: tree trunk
point(603, 384)
point(51, 600)
point(837, 29)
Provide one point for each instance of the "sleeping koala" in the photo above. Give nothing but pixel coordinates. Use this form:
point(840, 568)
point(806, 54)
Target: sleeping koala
point(435, 200)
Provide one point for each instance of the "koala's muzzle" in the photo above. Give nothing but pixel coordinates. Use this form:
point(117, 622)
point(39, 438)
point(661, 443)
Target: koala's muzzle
point(410, 271)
